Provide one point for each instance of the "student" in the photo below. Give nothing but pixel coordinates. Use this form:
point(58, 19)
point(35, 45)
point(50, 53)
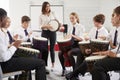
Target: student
point(99, 31)
point(8, 62)
point(45, 17)
point(24, 31)
point(112, 62)
point(76, 31)
point(81, 66)
point(11, 38)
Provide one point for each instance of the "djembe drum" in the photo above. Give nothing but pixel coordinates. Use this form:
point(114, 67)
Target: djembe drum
point(41, 44)
point(99, 45)
point(91, 59)
point(65, 46)
point(83, 46)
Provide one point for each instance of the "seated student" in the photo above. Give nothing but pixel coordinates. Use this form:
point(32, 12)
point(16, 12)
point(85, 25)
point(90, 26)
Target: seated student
point(8, 62)
point(11, 38)
point(24, 31)
point(111, 63)
point(75, 30)
point(98, 32)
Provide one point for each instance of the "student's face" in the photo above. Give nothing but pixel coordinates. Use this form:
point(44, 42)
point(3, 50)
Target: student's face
point(115, 19)
point(25, 25)
point(47, 8)
point(73, 19)
point(8, 21)
point(3, 21)
point(97, 24)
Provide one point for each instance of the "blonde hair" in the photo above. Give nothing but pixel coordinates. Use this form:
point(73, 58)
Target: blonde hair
point(76, 16)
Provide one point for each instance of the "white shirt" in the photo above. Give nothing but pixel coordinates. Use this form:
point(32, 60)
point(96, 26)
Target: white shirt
point(44, 19)
point(5, 52)
point(21, 34)
point(79, 30)
point(101, 32)
point(112, 34)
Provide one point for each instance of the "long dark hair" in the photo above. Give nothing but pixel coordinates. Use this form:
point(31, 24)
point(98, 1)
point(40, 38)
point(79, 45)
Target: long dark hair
point(44, 7)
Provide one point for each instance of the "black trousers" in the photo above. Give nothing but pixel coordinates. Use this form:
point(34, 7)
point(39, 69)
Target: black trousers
point(51, 36)
point(21, 63)
point(76, 52)
point(101, 68)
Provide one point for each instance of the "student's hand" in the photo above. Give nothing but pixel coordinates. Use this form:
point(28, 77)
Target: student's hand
point(102, 37)
point(77, 38)
point(86, 39)
point(106, 53)
point(17, 43)
point(67, 36)
point(49, 27)
point(61, 29)
point(88, 51)
point(15, 37)
point(30, 33)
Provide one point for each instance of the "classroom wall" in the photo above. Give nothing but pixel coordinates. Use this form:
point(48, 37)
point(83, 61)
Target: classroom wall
point(86, 9)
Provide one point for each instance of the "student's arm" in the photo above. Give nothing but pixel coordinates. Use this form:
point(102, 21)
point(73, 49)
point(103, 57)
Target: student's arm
point(5, 52)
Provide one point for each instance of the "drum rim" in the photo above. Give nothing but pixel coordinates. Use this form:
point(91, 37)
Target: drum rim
point(40, 38)
point(85, 42)
point(99, 41)
point(65, 40)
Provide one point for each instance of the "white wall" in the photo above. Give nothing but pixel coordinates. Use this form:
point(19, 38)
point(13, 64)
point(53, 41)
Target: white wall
point(86, 9)
point(5, 5)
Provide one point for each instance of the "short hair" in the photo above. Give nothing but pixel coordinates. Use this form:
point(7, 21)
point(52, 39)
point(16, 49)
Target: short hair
point(100, 18)
point(3, 14)
point(25, 19)
point(44, 7)
point(117, 10)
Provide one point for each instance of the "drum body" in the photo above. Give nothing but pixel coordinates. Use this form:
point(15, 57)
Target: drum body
point(40, 44)
point(65, 46)
point(26, 52)
point(99, 45)
point(83, 46)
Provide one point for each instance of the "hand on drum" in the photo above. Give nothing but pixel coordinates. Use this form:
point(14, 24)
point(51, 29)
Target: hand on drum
point(102, 37)
point(88, 51)
point(77, 38)
point(49, 27)
point(17, 43)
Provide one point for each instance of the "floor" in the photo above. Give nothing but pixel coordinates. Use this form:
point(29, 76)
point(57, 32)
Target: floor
point(56, 73)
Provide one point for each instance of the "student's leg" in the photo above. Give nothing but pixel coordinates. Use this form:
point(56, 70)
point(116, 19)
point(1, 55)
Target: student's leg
point(52, 44)
point(101, 68)
point(20, 63)
point(61, 58)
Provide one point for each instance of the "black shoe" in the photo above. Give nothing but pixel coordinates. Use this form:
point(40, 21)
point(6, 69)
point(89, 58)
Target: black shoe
point(70, 76)
point(63, 73)
point(47, 72)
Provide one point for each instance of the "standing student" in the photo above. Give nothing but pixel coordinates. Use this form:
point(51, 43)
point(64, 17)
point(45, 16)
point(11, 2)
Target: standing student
point(8, 62)
point(45, 17)
point(111, 63)
point(24, 31)
point(76, 31)
point(98, 32)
